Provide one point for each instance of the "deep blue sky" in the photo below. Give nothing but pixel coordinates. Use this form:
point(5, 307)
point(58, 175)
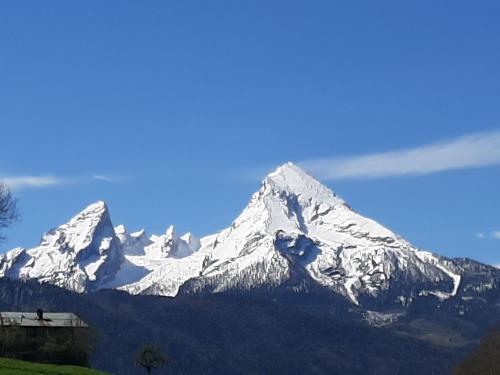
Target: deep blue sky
point(177, 100)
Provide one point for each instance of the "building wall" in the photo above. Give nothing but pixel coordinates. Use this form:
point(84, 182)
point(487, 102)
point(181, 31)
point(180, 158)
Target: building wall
point(66, 345)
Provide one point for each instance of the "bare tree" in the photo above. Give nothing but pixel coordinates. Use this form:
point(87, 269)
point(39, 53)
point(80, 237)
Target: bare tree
point(150, 358)
point(8, 208)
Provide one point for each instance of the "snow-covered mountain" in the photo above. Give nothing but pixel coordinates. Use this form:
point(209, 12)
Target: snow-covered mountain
point(295, 232)
point(81, 255)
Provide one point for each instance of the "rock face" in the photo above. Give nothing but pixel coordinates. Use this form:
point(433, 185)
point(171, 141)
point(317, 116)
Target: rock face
point(294, 233)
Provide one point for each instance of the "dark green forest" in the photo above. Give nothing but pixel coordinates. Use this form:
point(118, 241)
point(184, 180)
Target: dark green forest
point(252, 333)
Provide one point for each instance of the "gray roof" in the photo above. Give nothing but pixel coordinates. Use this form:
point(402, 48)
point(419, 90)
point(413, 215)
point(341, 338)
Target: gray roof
point(30, 319)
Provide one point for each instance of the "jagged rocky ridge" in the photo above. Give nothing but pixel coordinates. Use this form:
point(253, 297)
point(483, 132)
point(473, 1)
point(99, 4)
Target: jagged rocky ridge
point(295, 233)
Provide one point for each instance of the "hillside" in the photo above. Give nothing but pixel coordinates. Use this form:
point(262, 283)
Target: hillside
point(485, 359)
point(278, 332)
point(14, 367)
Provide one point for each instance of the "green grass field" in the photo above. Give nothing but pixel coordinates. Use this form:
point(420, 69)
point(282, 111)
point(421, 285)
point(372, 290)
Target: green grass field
point(14, 367)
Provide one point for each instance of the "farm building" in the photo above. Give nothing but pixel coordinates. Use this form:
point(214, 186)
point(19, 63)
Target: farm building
point(60, 338)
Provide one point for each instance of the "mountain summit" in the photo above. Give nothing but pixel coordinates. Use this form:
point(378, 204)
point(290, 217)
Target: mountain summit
point(295, 233)
point(295, 223)
point(81, 255)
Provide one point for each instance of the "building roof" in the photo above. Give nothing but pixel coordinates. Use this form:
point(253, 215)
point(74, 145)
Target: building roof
point(30, 319)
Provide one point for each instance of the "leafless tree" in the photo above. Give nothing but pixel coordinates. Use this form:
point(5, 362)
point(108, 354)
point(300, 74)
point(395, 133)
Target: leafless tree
point(8, 208)
point(150, 358)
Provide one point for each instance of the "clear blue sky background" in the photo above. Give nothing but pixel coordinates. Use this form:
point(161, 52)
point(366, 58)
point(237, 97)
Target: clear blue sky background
point(177, 100)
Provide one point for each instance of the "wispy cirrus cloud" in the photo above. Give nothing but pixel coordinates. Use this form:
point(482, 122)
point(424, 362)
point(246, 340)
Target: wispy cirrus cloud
point(494, 234)
point(44, 181)
point(470, 151)
point(17, 182)
point(105, 178)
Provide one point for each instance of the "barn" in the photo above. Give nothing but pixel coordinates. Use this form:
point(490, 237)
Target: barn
point(46, 337)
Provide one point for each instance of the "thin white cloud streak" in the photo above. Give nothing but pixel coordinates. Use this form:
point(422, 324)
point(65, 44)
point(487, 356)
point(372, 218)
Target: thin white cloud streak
point(105, 178)
point(17, 182)
point(491, 235)
point(470, 151)
point(22, 182)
